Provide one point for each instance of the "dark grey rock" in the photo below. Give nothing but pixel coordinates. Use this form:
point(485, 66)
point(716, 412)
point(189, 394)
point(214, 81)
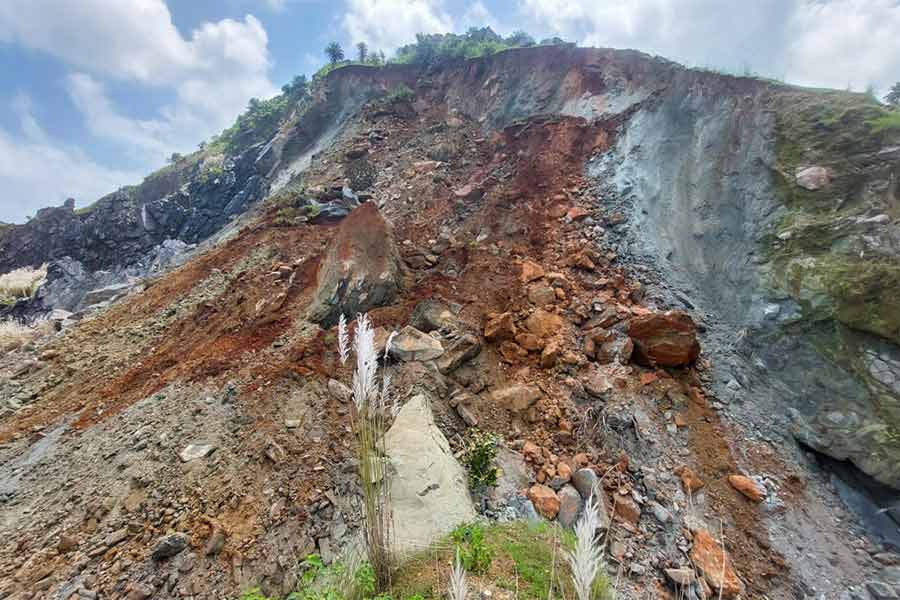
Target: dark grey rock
point(169, 546)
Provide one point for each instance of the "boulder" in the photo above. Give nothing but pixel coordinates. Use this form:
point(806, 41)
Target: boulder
point(710, 558)
point(429, 489)
point(462, 349)
point(544, 324)
point(570, 505)
point(359, 272)
point(430, 315)
point(531, 271)
point(667, 339)
point(586, 482)
point(413, 345)
point(747, 487)
point(169, 546)
point(517, 398)
point(813, 178)
point(501, 327)
point(545, 500)
point(541, 294)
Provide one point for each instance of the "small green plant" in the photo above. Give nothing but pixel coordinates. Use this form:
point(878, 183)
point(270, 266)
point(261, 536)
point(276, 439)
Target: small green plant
point(402, 93)
point(255, 594)
point(480, 458)
point(471, 548)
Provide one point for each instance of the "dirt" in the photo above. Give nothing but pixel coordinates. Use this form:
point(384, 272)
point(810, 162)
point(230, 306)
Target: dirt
point(218, 351)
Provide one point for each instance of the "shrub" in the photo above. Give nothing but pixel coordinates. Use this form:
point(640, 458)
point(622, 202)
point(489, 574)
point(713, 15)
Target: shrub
point(401, 93)
point(479, 458)
point(471, 549)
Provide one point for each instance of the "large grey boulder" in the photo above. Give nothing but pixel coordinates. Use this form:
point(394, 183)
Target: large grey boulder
point(429, 492)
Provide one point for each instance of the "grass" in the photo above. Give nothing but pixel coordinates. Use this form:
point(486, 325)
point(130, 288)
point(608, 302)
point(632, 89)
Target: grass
point(888, 122)
point(21, 283)
point(526, 558)
point(14, 335)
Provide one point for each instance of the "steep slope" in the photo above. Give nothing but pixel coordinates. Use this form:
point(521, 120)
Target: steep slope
point(547, 200)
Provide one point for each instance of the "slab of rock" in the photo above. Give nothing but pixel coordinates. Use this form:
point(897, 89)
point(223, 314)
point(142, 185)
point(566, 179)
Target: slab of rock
point(570, 505)
point(747, 487)
point(667, 339)
point(413, 345)
point(501, 327)
point(106, 294)
point(169, 545)
point(689, 480)
point(517, 398)
point(715, 565)
point(813, 178)
point(680, 577)
point(545, 500)
point(195, 451)
point(360, 270)
point(430, 315)
point(429, 489)
point(462, 349)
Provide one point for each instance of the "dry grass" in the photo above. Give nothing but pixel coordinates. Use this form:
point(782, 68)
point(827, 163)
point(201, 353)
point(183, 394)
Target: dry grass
point(21, 283)
point(15, 335)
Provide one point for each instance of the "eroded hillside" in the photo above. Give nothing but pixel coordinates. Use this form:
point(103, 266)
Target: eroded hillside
point(537, 213)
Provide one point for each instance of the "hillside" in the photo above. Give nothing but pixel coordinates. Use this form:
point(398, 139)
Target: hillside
point(568, 224)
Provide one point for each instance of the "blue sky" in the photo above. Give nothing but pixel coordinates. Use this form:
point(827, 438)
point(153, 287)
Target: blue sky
point(96, 93)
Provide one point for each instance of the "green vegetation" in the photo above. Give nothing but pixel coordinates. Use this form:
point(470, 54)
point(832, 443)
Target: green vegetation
point(335, 53)
point(887, 123)
point(527, 557)
point(480, 458)
point(475, 556)
point(438, 49)
point(401, 93)
point(893, 95)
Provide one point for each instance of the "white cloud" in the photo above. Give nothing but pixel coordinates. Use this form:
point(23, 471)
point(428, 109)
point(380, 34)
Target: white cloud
point(212, 73)
point(39, 171)
point(814, 42)
point(388, 24)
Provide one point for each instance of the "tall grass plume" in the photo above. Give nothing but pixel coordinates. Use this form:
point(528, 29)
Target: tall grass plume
point(586, 560)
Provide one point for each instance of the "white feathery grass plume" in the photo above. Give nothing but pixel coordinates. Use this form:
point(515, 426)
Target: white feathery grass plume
point(458, 587)
point(587, 558)
point(343, 339)
point(364, 384)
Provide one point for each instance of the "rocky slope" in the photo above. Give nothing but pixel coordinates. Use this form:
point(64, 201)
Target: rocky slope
point(534, 215)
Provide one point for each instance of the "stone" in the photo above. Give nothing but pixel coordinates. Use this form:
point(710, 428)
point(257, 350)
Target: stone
point(881, 591)
point(116, 537)
point(689, 480)
point(195, 451)
point(570, 505)
point(512, 352)
point(109, 293)
point(627, 510)
point(563, 471)
point(576, 213)
point(66, 543)
point(713, 562)
point(340, 391)
point(544, 324)
point(813, 178)
point(466, 415)
point(660, 512)
point(550, 355)
point(618, 347)
point(428, 489)
point(169, 546)
point(541, 294)
point(545, 500)
point(431, 315)
point(667, 339)
point(360, 270)
point(501, 327)
point(461, 350)
point(680, 577)
point(747, 487)
point(413, 345)
point(531, 271)
point(530, 342)
point(517, 398)
point(596, 383)
point(139, 591)
point(215, 543)
point(586, 482)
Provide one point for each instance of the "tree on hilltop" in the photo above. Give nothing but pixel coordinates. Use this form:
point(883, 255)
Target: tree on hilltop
point(335, 53)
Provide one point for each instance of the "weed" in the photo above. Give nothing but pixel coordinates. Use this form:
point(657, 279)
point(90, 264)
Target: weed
point(480, 458)
point(402, 93)
point(476, 556)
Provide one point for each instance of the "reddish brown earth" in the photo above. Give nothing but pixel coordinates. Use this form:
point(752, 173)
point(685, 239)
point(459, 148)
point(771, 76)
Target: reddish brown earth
point(228, 321)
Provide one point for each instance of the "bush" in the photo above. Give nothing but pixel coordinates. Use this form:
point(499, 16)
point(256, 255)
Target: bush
point(479, 458)
point(401, 93)
point(475, 555)
point(436, 49)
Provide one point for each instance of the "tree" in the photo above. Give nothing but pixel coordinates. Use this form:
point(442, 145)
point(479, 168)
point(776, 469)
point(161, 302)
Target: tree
point(296, 88)
point(893, 96)
point(520, 38)
point(175, 158)
point(362, 51)
point(335, 53)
